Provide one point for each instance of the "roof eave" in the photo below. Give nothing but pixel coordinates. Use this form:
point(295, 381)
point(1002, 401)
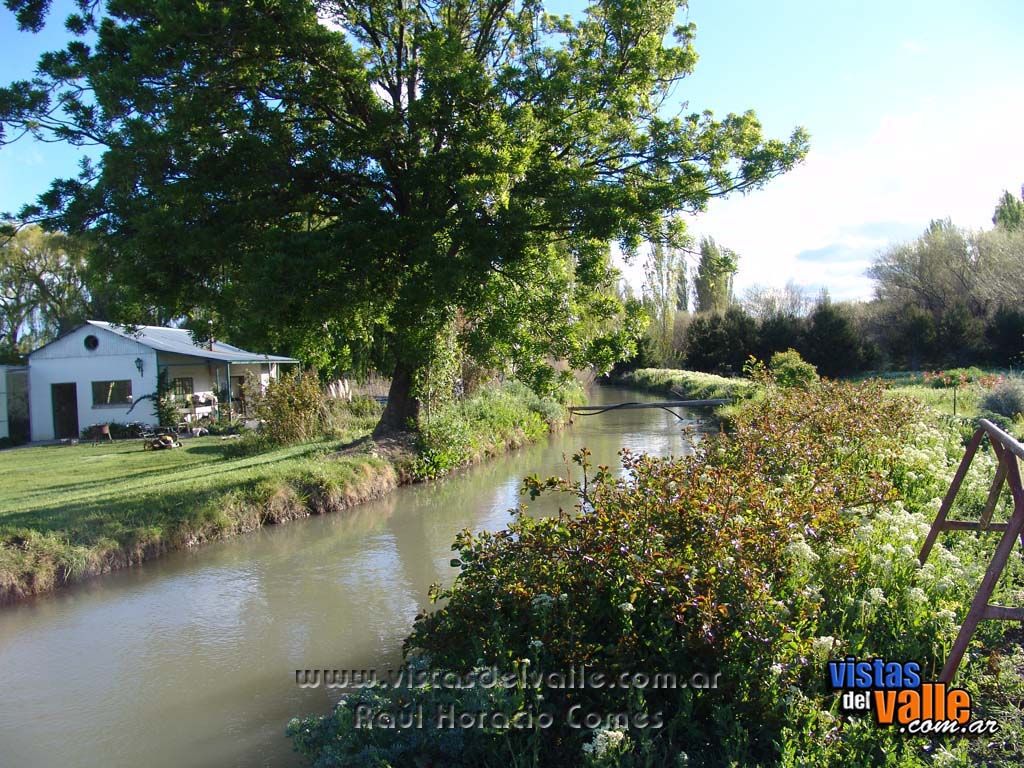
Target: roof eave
point(219, 358)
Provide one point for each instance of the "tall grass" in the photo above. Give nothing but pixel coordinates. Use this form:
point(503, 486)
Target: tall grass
point(489, 422)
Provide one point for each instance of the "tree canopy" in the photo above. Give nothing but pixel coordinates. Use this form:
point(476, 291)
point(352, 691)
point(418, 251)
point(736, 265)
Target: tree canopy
point(713, 281)
point(1009, 212)
point(936, 271)
point(344, 178)
point(43, 289)
point(943, 294)
point(765, 302)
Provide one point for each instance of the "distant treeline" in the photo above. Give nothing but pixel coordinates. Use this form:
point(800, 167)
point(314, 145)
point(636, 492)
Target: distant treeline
point(951, 297)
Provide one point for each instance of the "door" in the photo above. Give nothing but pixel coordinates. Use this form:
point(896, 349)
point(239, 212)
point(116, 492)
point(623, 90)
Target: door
point(65, 410)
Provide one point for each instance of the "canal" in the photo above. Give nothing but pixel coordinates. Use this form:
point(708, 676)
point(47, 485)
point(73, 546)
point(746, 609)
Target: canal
point(190, 660)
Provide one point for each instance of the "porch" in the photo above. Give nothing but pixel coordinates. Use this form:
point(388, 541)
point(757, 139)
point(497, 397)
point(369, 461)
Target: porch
point(204, 389)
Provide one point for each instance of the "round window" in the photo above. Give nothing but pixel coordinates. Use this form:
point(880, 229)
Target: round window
point(91, 342)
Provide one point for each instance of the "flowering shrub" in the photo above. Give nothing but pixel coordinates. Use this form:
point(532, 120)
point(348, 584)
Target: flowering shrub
point(788, 542)
point(958, 377)
point(716, 557)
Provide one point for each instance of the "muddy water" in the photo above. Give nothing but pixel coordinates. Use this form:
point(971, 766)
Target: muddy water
point(190, 660)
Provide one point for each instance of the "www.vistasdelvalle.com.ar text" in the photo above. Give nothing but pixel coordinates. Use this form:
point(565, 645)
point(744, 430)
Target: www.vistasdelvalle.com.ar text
point(576, 678)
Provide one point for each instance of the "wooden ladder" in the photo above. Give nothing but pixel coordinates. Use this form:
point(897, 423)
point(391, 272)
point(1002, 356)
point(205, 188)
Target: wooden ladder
point(1007, 451)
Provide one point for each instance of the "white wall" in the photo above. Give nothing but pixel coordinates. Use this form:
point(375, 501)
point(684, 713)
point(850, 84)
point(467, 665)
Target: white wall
point(67, 360)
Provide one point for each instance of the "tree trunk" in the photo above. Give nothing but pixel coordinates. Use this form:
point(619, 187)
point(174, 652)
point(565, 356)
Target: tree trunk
point(403, 409)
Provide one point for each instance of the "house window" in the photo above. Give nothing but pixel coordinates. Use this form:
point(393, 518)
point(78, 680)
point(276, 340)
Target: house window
point(182, 388)
point(112, 392)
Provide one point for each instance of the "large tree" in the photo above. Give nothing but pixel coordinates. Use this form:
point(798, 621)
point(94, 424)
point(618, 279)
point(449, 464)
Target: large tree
point(765, 302)
point(663, 271)
point(344, 177)
point(43, 289)
point(939, 270)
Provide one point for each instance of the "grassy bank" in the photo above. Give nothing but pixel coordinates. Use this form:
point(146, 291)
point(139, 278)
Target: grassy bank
point(961, 402)
point(693, 385)
point(964, 401)
point(73, 511)
point(489, 423)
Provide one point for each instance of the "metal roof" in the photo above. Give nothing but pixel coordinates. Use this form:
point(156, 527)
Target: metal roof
point(179, 341)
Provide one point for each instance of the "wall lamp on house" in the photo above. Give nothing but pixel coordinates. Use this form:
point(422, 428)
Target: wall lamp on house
point(138, 364)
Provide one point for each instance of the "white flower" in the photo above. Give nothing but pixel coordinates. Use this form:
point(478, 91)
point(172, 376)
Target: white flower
point(627, 607)
point(603, 742)
point(822, 646)
point(917, 596)
point(801, 553)
point(876, 596)
point(942, 758)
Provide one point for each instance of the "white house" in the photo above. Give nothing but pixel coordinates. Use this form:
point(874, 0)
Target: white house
point(101, 373)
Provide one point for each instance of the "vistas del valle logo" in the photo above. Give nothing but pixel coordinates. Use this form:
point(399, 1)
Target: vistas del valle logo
point(897, 696)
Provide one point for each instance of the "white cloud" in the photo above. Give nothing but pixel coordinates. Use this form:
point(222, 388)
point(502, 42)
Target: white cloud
point(942, 159)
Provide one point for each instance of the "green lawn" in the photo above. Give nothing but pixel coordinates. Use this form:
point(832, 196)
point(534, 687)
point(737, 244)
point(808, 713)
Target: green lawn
point(89, 491)
point(71, 511)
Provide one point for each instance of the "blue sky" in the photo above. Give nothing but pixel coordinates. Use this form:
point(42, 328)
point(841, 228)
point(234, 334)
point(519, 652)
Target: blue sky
point(915, 110)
